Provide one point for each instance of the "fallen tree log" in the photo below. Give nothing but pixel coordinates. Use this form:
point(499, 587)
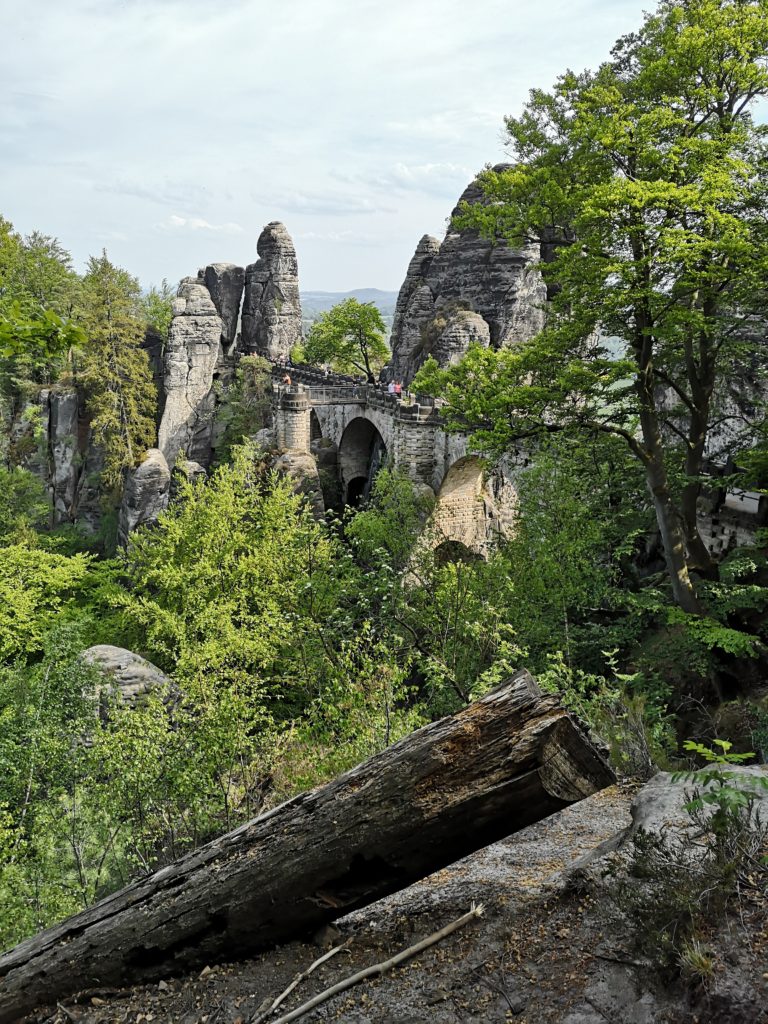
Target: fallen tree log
point(448, 789)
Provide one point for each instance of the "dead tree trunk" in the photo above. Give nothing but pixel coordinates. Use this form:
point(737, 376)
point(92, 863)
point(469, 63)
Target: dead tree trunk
point(454, 786)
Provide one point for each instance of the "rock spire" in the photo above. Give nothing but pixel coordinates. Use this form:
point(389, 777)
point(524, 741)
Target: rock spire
point(464, 273)
point(272, 307)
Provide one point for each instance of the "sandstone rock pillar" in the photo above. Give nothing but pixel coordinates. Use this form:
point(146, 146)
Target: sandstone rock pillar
point(271, 321)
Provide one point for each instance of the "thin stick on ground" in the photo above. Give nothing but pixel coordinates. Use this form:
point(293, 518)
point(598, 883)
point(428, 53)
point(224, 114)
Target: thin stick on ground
point(297, 981)
point(476, 910)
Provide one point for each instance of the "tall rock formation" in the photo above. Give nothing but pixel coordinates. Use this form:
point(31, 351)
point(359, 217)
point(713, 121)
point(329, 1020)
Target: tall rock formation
point(145, 494)
point(225, 283)
point(193, 352)
point(464, 272)
point(66, 455)
point(271, 322)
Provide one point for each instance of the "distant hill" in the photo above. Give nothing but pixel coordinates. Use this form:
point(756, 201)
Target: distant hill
point(313, 303)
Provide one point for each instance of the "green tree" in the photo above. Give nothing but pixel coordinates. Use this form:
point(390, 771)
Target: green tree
point(349, 337)
point(38, 289)
point(234, 580)
point(645, 183)
point(23, 504)
point(581, 517)
point(114, 370)
point(35, 273)
point(157, 306)
point(35, 588)
point(246, 403)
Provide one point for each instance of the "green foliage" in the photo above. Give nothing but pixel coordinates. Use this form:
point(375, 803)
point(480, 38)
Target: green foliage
point(35, 274)
point(35, 587)
point(42, 340)
point(49, 868)
point(38, 290)
point(623, 709)
point(582, 516)
point(350, 337)
point(235, 582)
point(23, 504)
point(157, 308)
point(246, 403)
point(387, 530)
point(731, 797)
point(645, 183)
point(121, 395)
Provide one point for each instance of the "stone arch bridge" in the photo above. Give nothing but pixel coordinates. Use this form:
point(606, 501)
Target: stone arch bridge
point(366, 428)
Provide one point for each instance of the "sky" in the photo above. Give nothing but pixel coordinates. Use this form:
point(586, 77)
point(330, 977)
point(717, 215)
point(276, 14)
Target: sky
point(171, 131)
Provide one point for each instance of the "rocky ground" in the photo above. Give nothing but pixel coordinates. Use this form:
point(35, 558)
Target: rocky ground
point(545, 951)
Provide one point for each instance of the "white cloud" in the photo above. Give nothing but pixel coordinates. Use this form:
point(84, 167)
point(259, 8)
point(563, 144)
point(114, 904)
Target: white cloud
point(181, 127)
point(176, 223)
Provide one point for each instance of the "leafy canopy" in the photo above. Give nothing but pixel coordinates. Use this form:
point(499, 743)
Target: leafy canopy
point(645, 185)
point(350, 337)
point(115, 372)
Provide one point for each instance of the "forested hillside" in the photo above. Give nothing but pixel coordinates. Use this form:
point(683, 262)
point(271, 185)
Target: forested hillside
point(292, 644)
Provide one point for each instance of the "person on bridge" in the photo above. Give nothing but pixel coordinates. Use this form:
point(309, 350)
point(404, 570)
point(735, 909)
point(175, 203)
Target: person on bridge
point(398, 389)
point(391, 388)
point(287, 380)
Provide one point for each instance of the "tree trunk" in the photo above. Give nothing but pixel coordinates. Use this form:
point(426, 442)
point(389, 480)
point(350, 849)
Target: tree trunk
point(672, 539)
point(658, 484)
point(448, 789)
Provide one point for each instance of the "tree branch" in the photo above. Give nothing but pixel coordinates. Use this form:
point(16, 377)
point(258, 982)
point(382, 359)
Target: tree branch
point(386, 965)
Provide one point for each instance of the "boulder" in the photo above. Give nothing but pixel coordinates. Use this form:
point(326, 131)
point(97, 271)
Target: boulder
point(271, 322)
point(129, 674)
point(301, 469)
point(660, 805)
point(265, 438)
point(462, 330)
point(184, 469)
point(145, 494)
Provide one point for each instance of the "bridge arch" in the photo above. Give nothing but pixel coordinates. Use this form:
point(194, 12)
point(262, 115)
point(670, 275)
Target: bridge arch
point(362, 453)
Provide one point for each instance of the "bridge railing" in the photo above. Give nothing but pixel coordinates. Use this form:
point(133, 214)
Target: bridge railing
point(337, 394)
point(324, 388)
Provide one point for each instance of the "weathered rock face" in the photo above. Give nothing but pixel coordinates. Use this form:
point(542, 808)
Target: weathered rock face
point(225, 283)
point(65, 453)
point(415, 309)
point(145, 494)
point(271, 322)
point(301, 469)
point(326, 456)
point(89, 502)
point(185, 472)
point(128, 673)
point(465, 272)
point(192, 355)
point(461, 331)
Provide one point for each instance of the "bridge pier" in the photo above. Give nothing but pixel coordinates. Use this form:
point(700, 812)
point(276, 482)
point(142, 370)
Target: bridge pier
point(293, 427)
